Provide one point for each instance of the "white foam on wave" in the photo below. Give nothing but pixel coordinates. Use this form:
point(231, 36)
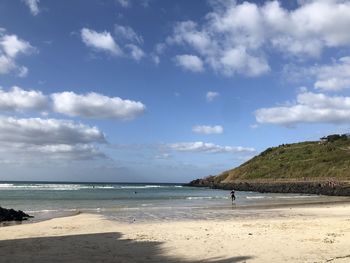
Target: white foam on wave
point(282, 197)
point(5, 185)
point(259, 197)
point(51, 210)
point(75, 187)
point(56, 187)
point(297, 196)
point(205, 197)
point(141, 186)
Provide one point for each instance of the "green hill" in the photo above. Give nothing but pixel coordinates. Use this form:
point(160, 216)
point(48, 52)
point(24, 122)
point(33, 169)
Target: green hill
point(327, 159)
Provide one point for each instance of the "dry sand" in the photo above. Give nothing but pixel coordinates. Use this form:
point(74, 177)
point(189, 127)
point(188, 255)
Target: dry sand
point(298, 234)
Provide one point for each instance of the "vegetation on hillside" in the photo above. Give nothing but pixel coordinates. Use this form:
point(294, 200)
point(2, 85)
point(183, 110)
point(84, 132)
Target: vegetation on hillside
point(328, 158)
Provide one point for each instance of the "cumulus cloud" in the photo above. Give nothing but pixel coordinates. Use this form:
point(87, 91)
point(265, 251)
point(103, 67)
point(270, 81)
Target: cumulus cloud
point(203, 147)
point(155, 58)
point(158, 50)
point(308, 108)
point(7, 64)
point(127, 33)
point(190, 62)
point(128, 40)
point(135, 52)
point(17, 99)
point(235, 38)
point(238, 60)
point(124, 3)
point(205, 129)
point(37, 131)
point(100, 41)
point(36, 138)
point(22, 71)
point(211, 95)
point(333, 77)
point(131, 40)
point(94, 105)
point(11, 46)
point(90, 105)
point(163, 156)
point(33, 6)
point(69, 152)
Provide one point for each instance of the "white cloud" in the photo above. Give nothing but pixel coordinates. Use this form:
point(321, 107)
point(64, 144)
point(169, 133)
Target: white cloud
point(163, 156)
point(25, 154)
point(205, 129)
point(127, 33)
point(237, 60)
point(91, 105)
point(6, 64)
point(309, 108)
point(158, 50)
point(235, 38)
point(33, 6)
point(132, 40)
point(12, 45)
point(68, 152)
point(94, 105)
point(100, 41)
point(135, 52)
point(40, 140)
point(211, 95)
point(103, 41)
point(17, 99)
point(203, 147)
point(190, 62)
point(333, 77)
point(22, 71)
point(10, 48)
point(155, 58)
point(37, 131)
point(124, 3)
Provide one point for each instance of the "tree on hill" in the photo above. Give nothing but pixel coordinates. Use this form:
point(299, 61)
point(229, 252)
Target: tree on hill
point(335, 137)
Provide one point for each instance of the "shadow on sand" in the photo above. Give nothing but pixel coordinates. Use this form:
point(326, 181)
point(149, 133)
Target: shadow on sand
point(105, 247)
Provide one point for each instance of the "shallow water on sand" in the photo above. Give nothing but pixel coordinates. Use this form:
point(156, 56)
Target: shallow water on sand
point(139, 202)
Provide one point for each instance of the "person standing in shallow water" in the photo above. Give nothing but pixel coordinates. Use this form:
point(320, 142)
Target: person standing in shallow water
point(233, 197)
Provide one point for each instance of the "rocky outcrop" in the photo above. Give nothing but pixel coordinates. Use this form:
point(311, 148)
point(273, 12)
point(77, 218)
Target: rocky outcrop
point(320, 188)
point(12, 215)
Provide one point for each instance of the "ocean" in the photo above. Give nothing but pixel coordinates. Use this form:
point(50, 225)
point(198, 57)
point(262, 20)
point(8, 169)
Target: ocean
point(139, 202)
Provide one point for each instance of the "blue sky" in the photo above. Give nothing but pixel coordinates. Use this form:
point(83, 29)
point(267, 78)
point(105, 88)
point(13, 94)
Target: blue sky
point(165, 91)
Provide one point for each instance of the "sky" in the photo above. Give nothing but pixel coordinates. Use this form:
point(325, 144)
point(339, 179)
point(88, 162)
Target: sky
point(163, 90)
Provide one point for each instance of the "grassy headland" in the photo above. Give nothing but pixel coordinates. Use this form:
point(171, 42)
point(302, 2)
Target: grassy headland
point(326, 160)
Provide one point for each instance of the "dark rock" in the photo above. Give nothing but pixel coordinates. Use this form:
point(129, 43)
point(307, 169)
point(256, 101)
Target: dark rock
point(12, 215)
point(320, 188)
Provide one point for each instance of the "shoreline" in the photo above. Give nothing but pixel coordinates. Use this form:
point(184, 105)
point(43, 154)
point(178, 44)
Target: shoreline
point(242, 211)
point(294, 234)
point(270, 208)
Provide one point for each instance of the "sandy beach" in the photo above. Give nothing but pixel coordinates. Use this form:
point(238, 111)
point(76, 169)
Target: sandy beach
point(294, 234)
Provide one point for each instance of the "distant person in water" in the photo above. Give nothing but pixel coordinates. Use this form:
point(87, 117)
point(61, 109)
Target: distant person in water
point(233, 197)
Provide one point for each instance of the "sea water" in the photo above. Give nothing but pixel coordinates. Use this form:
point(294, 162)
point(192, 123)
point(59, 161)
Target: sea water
point(132, 202)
